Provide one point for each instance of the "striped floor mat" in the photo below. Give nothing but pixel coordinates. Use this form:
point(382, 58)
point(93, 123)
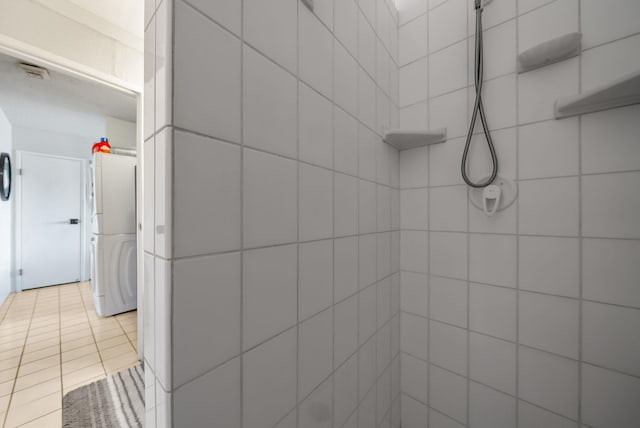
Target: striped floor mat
point(114, 402)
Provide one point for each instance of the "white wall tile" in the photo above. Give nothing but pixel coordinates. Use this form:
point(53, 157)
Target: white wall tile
point(448, 254)
point(601, 23)
point(209, 106)
point(345, 205)
point(315, 52)
point(480, 164)
point(149, 314)
point(315, 128)
point(414, 293)
point(549, 149)
point(492, 362)
point(166, 367)
point(413, 40)
point(410, 9)
point(214, 396)
point(345, 267)
point(368, 7)
point(206, 318)
point(439, 420)
point(226, 13)
point(367, 143)
point(315, 411)
point(414, 168)
point(414, 209)
point(345, 339)
point(415, 336)
point(550, 323)
point(499, 98)
point(609, 398)
point(367, 206)
point(413, 82)
point(383, 211)
point(493, 259)
point(345, 391)
point(366, 99)
point(489, 408)
point(539, 89)
point(414, 413)
point(272, 29)
point(549, 381)
point(163, 189)
point(610, 140)
point(270, 367)
point(367, 375)
point(164, 66)
point(604, 64)
point(269, 293)
point(611, 205)
point(448, 393)
point(270, 199)
point(345, 79)
point(499, 49)
point(492, 310)
point(367, 258)
point(415, 116)
point(366, 46)
point(448, 69)
point(610, 271)
point(533, 417)
point(448, 300)
point(315, 351)
point(270, 106)
point(315, 277)
point(550, 21)
point(444, 162)
point(148, 179)
point(611, 337)
point(346, 24)
point(206, 181)
point(549, 207)
point(550, 265)
point(448, 347)
point(447, 24)
point(345, 143)
point(367, 310)
point(383, 255)
point(414, 251)
point(449, 111)
point(415, 377)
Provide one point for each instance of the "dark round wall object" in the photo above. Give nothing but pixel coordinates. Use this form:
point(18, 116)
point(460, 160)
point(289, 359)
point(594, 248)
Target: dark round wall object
point(5, 176)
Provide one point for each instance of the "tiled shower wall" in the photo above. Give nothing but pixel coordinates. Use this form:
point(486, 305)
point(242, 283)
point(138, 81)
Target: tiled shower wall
point(272, 249)
point(528, 318)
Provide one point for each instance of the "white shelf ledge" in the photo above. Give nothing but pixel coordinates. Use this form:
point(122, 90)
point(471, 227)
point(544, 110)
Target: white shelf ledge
point(403, 139)
point(619, 93)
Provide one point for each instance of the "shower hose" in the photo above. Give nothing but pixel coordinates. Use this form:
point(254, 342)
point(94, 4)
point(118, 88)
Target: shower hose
point(478, 108)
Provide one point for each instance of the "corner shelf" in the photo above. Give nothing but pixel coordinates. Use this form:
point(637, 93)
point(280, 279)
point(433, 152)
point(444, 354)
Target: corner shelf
point(619, 93)
point(403, 139)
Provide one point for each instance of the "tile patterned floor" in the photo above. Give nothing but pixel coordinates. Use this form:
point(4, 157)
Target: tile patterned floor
point(52, 341)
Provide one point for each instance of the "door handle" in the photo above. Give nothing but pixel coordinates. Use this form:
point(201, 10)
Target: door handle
point(74, 221)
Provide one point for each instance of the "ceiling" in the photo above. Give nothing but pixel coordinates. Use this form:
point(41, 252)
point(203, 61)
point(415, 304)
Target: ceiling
point(21, 95)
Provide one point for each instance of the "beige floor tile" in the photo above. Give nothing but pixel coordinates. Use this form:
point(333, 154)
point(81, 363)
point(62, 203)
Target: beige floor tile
point(80, 363)
point(121, 362)
point(41, 364)
point(19, 415)
point(81, 375)
point(8, 374)
point(42, 344)
point(4, 403)
point(9, 354)
point(51, 420)
point(77, 334)
point(77, 343)
point(111, 342)
point(10, 363)
point(35, 392)
point(40, 376)
point(42, 353)
point(116, 351)
point(79, 352)
point(6, 387)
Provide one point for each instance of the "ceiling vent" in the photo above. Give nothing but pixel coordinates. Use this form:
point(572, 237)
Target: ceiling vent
point(34, 71)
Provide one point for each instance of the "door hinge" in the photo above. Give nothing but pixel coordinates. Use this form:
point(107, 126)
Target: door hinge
point(19, 272)
point(19, 171)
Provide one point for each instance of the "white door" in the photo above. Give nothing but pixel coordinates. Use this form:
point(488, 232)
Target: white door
point(50, 212)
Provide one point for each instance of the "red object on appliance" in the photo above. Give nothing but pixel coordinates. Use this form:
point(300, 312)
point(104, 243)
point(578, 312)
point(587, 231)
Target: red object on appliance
point(102, 146)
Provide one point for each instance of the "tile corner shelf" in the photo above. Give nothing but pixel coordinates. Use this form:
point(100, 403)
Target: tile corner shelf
point(404, 139)
point(619, 93)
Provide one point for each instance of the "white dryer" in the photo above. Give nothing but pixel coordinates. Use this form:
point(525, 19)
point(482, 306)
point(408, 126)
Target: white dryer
point(113, 244)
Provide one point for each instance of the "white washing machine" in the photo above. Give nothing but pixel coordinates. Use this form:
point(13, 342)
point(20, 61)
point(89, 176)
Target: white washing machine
point(113, 244)
point(114, 273)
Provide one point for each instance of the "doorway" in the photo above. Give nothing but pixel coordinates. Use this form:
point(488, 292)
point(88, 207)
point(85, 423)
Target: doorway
point(50, 219)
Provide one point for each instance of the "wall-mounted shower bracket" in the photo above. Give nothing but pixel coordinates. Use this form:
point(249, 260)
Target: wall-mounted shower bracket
point(507, 195)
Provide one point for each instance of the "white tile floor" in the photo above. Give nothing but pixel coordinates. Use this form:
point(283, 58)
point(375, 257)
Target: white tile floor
point(52, 341)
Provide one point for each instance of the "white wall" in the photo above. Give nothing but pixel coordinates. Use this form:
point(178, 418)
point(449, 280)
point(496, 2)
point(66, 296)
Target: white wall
point(88, 35)
point(6, 215)
point(532, 315)
point(121, 133)
point(276, 260)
